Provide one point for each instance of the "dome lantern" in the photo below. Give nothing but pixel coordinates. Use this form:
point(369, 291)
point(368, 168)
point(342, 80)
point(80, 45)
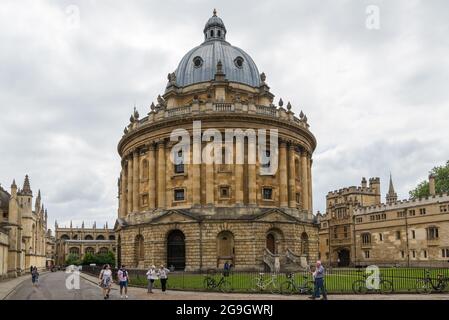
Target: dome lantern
point(214, 28)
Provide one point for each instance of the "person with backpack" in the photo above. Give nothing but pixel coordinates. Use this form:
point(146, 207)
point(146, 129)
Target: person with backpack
point(162, 273)
point(151, 276)
point(106, 280)
point(123, 279)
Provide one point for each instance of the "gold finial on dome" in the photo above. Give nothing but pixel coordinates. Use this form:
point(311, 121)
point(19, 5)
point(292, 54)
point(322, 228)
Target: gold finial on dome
point(215, 12)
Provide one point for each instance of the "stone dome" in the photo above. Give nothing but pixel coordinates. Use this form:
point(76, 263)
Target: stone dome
point(200, 63)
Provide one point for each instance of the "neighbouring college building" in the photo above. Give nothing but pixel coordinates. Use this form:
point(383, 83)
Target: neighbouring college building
point(196, 216)
point(358, 229)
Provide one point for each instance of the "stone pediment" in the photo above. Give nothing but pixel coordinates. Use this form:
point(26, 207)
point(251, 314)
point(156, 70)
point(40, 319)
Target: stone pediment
point(172, 216)
point(275, 215)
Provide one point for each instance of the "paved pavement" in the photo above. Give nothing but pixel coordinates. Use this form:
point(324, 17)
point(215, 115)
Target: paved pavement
point(52, 286)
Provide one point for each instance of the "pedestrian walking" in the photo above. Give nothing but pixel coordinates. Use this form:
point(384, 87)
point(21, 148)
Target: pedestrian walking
point(226, 269)
point(151, 277)
point(318, 280)
point(163, 275)
point(35, 276)
point(106, 280)
point(123, 278)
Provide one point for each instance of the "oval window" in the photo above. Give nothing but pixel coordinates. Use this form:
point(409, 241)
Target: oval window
point(238, 62)
point(197, 62)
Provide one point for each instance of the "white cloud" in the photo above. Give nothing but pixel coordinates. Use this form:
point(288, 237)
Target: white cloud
point(377, 101)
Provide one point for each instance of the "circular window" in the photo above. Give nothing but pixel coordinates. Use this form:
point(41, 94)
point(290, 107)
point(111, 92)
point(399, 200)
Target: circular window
point(238, 62)
point(197, 62)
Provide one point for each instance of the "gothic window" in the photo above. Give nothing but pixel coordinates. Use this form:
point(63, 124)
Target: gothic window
point(366, 238)
point(103, 250)
point(366, 253)
point(413, 234)
point(422, 211)
point(432, 233)
point(381, 237)
point(100, 237)
point(398, 235)
point(88, 237)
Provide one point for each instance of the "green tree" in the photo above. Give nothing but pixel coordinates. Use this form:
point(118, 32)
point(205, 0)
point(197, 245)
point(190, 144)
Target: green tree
point(89, 258)
point(441, 174)
point(73, 259)
point(105, 258)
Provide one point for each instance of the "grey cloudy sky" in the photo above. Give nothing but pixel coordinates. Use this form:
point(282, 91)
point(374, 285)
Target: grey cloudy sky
point(377, 100)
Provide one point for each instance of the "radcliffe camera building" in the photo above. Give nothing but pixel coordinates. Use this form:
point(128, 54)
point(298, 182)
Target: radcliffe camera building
point(197, 216)
point(25, 240)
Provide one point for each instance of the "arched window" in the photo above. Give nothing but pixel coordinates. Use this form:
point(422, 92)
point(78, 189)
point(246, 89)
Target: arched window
point(75, 237)
point(139, 249)
point(100, 237)
point(103, 250)
point(65, 237)
point(88, 237)
point(75, 251)
point(89, 250)
point(111, 237)
point(212, 33)
point(305, 244)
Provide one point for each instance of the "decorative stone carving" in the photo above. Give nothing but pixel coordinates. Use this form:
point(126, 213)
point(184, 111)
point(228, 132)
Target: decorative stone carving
point(281, 102)
point(263, 77)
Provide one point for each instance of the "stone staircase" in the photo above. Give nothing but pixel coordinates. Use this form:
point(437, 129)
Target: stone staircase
point(288, 262)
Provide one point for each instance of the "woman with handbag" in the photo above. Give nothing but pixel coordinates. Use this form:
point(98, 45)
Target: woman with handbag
point(106, 280)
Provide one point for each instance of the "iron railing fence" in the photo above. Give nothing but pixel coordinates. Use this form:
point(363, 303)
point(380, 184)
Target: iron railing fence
point(337, 280)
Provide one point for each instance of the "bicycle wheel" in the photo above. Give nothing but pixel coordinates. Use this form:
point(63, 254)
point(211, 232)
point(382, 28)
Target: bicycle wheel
point(359, 287)
point(257, 285)
point(209, 283)
point(309, 287)
point(225, 286)
point(386, 286)
point(287, 287)
point(423, 286)
point(274, 287)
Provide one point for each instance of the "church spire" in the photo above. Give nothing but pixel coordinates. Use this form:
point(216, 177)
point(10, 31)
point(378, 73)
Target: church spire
point(26, 190)
point(391, 195)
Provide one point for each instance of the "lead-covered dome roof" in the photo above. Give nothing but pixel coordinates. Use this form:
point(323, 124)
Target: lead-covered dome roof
point(200, 63)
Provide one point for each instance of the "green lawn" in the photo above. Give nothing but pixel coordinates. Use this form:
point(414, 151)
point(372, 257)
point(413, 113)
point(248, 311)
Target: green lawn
point(337, 280)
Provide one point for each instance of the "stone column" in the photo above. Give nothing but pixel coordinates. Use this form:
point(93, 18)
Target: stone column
point(129, 199)
point(252, 181)
point(283, 184)
point(240, 145)
point(291, 177)
point(124, 184)
point(309, 186)
point(304, 180)
point(152, 177)
point(210, 184)
point(136, 181)
point(161, 175)
point(196, 179)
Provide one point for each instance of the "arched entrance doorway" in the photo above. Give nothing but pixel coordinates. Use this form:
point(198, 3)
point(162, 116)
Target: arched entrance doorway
point(343, 258)
point(225, 248)
point(176, 250)
point(271, 243)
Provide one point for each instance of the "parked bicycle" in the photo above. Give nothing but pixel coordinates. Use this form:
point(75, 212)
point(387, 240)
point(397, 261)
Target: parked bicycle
point(211, 283)
point(427, 284)
point(360, 286)
point(260, 284)
point(290, 286)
